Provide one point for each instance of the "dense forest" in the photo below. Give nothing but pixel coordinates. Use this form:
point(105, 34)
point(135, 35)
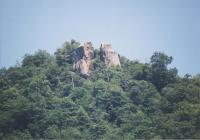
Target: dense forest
point(42, 97)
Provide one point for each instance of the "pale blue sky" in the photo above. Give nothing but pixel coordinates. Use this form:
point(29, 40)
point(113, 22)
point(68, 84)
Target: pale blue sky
point(135, 28)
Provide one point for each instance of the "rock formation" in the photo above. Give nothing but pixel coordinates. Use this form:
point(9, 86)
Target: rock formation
point(108, 55)
point(82, 58)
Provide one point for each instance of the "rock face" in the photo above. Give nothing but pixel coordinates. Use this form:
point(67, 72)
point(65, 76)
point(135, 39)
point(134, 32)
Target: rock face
point(83, 56)
point(108, 55)
point(82, 59)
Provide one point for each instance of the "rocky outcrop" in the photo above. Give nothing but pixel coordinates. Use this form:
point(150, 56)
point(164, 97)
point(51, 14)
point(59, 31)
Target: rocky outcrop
point(83, 56)
point(108, 55)
point(82, 59)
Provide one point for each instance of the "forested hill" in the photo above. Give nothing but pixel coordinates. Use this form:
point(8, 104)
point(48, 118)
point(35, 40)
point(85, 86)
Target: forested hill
point(44, 97)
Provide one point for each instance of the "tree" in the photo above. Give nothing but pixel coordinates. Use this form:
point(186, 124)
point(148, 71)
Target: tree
point(161, 75)
point(40, 58)
point(45, 99)
point(63, 55)
point(145, 95)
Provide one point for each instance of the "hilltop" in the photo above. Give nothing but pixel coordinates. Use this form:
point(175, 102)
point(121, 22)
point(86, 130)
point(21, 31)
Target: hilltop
point(86, 93)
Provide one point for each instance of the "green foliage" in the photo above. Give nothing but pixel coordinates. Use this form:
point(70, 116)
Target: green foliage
point(145, 95)
point(44, 99)
point(39, 59)
point(63, 55)
point(161, 75)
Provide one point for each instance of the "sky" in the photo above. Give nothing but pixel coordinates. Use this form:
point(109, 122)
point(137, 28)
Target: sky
point(135, 28)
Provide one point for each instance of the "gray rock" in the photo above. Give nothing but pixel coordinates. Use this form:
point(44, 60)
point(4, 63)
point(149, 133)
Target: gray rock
point(108, 55)
point(82, 58)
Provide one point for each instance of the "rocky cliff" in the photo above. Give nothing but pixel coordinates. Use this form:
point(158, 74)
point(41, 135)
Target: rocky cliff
point(84, 55)
point(108, 55)
point(82, 58)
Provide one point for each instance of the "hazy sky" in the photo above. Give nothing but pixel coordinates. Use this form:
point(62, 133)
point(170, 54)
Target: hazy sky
point(135, 28)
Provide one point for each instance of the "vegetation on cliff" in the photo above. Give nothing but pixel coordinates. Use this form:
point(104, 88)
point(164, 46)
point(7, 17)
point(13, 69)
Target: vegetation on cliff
point(44, 98)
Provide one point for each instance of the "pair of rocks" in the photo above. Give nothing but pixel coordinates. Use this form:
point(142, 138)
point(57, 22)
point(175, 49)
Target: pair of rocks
point(83, 56)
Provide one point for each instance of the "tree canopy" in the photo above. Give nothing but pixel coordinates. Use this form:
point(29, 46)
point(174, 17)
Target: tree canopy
point(44, 98)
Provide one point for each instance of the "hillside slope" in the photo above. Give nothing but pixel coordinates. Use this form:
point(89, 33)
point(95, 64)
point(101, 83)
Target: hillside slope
point(45, 98)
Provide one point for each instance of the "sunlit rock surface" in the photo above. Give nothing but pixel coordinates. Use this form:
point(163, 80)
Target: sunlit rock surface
point(82, 58)
point(108, 55)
